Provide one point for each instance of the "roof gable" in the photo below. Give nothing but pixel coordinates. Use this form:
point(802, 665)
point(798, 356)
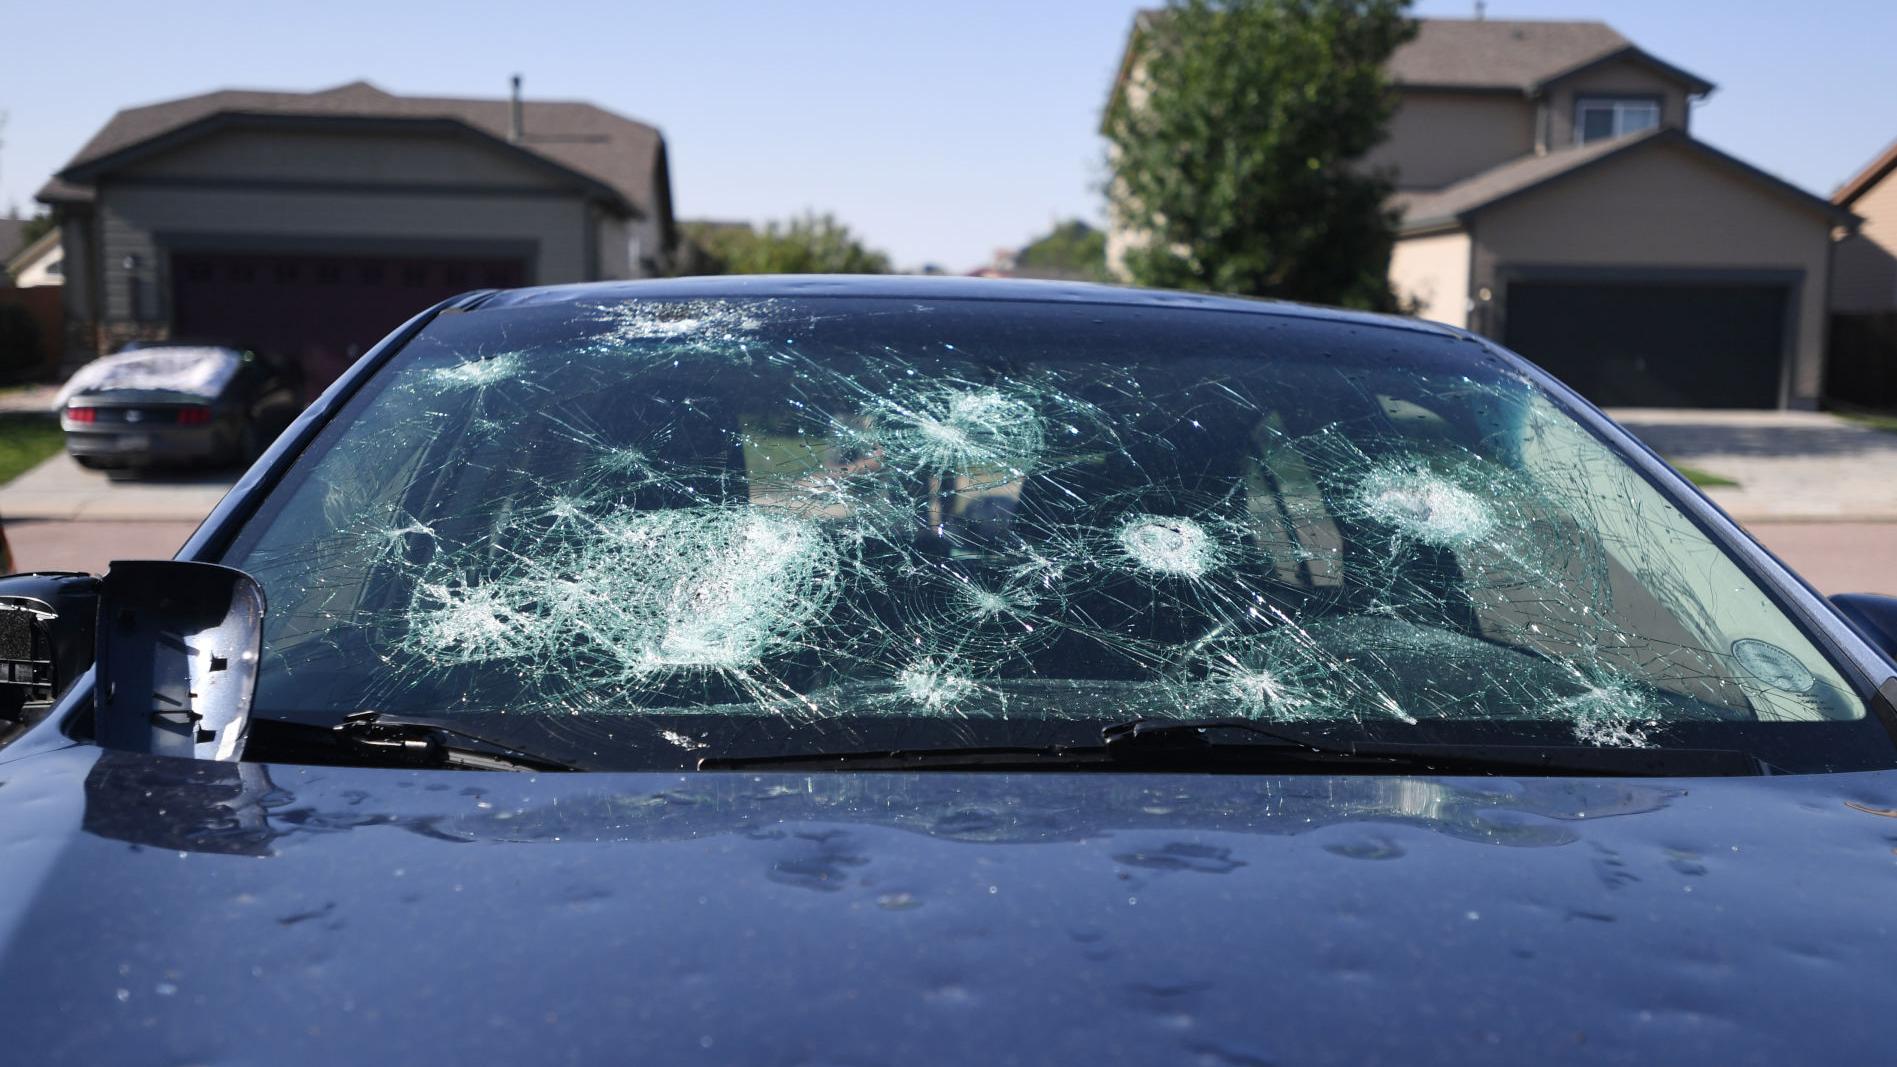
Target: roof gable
point(1867, 179)
point(1516, 55)
point(1454, 205)
point(38, 249)
point(620, 155)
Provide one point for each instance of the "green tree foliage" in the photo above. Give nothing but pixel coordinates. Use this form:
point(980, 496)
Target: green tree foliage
point(36, 227)
point(808, 244)
point(1238, 148)
point(1072, 249)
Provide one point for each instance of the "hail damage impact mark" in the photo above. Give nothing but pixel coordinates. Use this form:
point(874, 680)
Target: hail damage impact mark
point(479, 373)
point(957, 429)
point(1168, 544)
point(1425, 506)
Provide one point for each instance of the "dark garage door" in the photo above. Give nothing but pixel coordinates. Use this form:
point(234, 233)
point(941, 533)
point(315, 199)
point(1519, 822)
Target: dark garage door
point(1654, 345)
point(320, 310)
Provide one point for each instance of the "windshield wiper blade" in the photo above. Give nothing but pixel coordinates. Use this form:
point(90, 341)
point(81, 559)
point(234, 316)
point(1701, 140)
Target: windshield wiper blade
point(1175, 745)
point(429, 743)
point(1177, 738)
point(998, 757)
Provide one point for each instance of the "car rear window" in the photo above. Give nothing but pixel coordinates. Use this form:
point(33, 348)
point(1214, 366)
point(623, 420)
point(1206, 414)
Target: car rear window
point(658, 525)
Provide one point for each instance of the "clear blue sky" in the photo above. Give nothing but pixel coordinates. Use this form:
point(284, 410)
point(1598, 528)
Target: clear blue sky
point(939, 130)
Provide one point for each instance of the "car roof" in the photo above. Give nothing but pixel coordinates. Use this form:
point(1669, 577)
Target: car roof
point(936, 287)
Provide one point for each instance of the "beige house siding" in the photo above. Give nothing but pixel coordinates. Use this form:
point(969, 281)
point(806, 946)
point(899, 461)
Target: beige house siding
point(1434, 272)
point(1866, 263)
point(1611, 79)
point(1665, 208)
point(1439, 138)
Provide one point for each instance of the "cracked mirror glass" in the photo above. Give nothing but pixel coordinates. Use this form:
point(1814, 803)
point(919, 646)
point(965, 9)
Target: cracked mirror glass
point(648, 528)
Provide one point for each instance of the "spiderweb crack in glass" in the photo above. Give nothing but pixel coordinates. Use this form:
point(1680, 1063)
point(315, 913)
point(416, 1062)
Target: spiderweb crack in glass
point(1168, 545)
point(930, 686)
point(955, 430)
point(653, 507)
point(674, 590)
point(479, 373)
point(1425, 507)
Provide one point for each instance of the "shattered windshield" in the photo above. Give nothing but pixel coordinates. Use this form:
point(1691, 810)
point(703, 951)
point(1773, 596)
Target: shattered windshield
point(654, 527)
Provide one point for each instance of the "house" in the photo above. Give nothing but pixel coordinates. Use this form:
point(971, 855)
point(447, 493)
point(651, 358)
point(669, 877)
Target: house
point(12, 239)
point(38, 263)
point(1552, 196)
point(313, 223)
point(1866, 265)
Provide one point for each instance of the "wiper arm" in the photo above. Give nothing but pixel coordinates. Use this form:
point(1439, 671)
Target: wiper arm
point(431, 744)
point(375, 737)
point(1164, 744)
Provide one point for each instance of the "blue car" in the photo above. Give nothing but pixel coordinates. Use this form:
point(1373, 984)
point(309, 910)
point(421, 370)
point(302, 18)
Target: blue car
point(967, 672)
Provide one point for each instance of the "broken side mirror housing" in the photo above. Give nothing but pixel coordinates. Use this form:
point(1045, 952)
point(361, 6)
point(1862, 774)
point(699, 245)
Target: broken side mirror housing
point(1873, 616)
point(46, 639)
point(177, 658)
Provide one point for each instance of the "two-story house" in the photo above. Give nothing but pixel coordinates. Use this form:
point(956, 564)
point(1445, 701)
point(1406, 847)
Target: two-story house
point(1552, 196)
point(311, 224)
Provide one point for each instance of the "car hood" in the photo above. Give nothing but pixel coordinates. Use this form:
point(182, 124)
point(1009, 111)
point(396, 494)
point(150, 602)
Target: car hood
point(159, 910)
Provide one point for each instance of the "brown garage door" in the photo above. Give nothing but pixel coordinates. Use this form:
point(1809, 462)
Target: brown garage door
point(320, 310)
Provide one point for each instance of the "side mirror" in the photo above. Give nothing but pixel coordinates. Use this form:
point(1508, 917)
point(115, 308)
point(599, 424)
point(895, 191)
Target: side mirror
point(1873, 616)
point(177, 658)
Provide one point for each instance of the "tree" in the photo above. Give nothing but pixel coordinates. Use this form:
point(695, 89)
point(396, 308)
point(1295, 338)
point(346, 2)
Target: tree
point(36, 227)
point(1072, 249)
point(808, 244)
point(1238, 142)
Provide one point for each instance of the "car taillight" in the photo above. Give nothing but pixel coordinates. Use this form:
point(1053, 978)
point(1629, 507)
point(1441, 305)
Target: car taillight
point(193, 416)
point(82, 414)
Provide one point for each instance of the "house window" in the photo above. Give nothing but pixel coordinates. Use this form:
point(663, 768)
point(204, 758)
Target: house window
point(1598, 117)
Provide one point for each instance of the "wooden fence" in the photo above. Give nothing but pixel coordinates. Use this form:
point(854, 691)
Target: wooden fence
point(32, 333)
point(1861, 362)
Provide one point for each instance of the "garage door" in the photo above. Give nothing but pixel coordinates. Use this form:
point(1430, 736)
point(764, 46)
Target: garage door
point(322, 311)
point(1654, 345)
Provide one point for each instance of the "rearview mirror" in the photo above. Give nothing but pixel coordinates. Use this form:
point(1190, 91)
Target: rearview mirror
point(177, 658)
point(1873, 616)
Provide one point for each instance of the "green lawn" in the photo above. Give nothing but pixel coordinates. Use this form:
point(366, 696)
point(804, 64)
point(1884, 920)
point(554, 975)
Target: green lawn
point(1876, 420)
point(1705, 479)
point(26, 440)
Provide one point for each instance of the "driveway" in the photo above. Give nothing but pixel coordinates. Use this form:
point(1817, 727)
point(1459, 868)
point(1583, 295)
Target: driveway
point(61, 489)
point(1818, 490)
point(1791, 466)
point(61, 517)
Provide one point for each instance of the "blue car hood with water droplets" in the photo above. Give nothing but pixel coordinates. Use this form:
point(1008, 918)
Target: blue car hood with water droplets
point(169, 911)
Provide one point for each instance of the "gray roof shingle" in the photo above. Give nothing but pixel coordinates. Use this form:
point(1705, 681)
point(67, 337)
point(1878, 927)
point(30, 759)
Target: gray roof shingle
point(1499, 54)
point(613, 150)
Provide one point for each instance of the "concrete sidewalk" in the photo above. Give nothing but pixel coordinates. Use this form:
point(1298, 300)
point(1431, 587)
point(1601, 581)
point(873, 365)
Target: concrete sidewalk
point(63, 490)
point(1791, 466)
